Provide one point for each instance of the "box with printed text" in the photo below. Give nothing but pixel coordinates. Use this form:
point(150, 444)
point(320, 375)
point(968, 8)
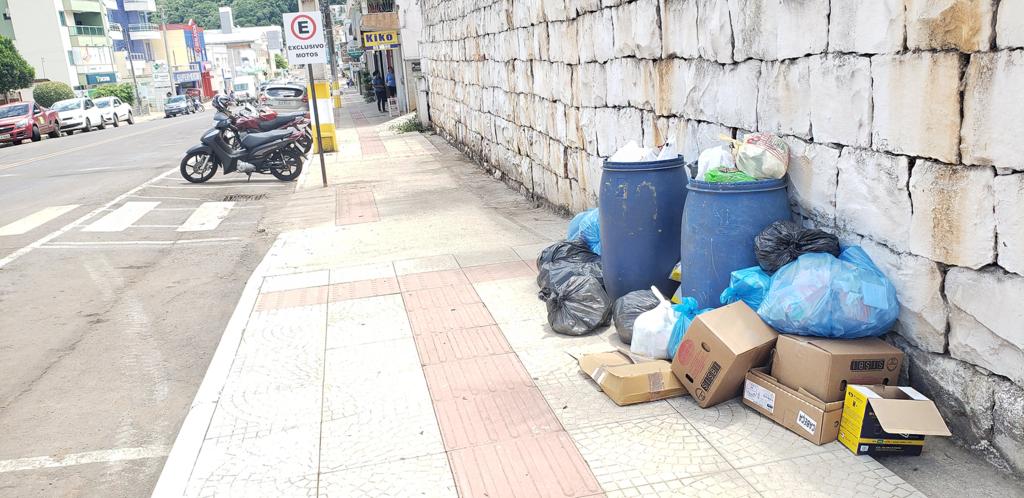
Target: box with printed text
point(824, 367)
point(797, 410)
point(888, 420)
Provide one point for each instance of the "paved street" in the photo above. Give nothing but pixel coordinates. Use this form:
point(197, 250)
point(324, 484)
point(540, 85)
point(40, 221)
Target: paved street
point(117, 279)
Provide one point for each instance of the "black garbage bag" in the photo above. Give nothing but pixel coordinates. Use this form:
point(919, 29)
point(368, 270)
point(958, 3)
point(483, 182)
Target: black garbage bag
point(578, 306)
point(784, 241)
point(561, 253)
point(556, 273)
point(627, 308)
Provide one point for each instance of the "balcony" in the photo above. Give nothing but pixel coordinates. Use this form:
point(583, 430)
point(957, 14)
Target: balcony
point(88, 36)
point(140, 5)
point(147, 31)
point(110, 4)
point(380, 6)
point(115, 32)
point(83, 6)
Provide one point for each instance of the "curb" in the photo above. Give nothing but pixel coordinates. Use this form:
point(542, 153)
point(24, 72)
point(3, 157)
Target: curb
point(301, 181)
point(181, 460)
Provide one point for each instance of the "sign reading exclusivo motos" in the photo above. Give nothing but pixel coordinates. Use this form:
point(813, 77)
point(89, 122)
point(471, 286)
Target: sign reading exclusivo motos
point(304, 38)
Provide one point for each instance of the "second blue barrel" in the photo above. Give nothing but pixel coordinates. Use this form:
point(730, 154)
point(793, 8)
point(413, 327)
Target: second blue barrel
point(720, 221)
point(641, 210)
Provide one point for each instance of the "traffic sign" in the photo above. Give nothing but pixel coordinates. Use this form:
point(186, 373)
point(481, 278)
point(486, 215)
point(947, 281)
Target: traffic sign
point(304, 37)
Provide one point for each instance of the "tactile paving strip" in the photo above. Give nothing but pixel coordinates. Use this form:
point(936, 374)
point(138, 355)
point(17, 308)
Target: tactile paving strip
point(462, 344)
point(355, 204)
point(499, 271)
point(432, 279)
point(363, 288)
point(291, 298)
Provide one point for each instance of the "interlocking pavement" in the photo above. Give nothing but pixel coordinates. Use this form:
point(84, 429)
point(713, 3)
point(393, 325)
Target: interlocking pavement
point(407, 354)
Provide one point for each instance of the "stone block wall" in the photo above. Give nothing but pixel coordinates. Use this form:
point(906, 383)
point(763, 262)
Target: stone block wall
point(904, 117)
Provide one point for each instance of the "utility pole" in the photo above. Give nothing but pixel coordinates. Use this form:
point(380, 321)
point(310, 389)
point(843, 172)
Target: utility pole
point(332, 53)
point(131, 66)
point(167, 50)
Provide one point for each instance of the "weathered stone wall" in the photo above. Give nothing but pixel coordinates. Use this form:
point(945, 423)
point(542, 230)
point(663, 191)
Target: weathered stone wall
point(904, 117)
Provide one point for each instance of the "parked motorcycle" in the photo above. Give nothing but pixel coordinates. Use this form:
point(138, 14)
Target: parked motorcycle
point(253, 119)
point(266, 152)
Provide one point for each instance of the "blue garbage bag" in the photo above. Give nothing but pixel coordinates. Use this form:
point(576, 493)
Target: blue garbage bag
point(687, 311)
point(821, 295)
point(587, 225)
point(748, 285)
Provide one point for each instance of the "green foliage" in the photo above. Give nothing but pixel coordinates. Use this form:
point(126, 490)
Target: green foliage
point(15, 73)
point(280, 62)
point(412, 124)
point(124, 91)
point(46, 94)
point(247, 13)
point(366, 83)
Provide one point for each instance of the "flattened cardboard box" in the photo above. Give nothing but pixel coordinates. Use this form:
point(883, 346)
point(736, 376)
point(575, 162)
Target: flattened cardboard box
point(824, 367)
point(629, 379)
point(888, 420)
point(718, 349)
point(798, 411)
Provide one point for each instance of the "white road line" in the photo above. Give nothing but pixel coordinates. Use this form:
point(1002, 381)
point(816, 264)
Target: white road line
point(122, 217)
point(99, 456)
point(141, 243)
point(35, 245)
point(36, 219)
point(172, 198)
point(207, 216)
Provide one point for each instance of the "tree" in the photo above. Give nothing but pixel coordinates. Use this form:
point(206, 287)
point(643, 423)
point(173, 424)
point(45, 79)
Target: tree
point(280, 62)
point(15, 73)
point(246, 12)
point(47, 93)
point(124, 91)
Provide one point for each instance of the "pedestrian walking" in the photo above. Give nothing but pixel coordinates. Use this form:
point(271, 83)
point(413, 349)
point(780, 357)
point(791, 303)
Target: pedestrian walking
point(390, 80)
point(379, 90)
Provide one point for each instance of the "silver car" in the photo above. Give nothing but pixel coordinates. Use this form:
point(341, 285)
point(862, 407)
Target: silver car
point(287, 98)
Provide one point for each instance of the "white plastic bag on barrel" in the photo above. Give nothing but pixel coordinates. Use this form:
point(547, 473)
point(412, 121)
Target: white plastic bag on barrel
point(761, 155)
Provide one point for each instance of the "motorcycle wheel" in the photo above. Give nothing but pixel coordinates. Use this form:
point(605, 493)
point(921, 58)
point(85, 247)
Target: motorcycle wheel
point(305, 142)
point(198, 167)
point(286, 165)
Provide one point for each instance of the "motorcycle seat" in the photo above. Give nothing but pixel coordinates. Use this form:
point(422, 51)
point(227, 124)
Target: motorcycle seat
point(275, 123)
point(256, 139)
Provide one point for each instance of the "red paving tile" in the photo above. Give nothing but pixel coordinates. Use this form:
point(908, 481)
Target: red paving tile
point(463, 316)
point(363, 288)
point(440, 297)
point(476, 377)
point(355, 204)
point(502, 416)
point(292, 298)
point(545, 466)
point(430, 280)
point(454, 345)
point(498, 271)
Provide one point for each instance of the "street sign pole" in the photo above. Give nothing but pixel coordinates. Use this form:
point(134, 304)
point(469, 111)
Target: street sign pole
point(316, 121)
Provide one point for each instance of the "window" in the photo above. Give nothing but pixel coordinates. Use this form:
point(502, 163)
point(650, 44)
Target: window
point(71, 58)
point(89, 104)
point(278, 92)
point(36, 108)
point(63, 21)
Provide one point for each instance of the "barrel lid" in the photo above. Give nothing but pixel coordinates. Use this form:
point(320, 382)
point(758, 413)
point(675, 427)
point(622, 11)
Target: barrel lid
point(678, 162)
point(737, 187)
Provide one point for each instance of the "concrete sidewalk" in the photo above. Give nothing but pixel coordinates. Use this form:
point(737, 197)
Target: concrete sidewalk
point(392, 344)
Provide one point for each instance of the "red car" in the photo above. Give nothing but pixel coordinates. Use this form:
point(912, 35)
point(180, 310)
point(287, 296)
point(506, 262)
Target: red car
point(22, 120)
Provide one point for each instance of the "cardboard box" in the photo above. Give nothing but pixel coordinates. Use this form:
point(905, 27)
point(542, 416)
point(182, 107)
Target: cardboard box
point(628, 378)
point(718, 349)
point(798, 411)
point(824, 367)
point(888, 420)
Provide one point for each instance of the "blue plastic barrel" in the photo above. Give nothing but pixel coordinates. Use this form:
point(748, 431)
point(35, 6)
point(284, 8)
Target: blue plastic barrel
point(720, 222)
point(641, 211)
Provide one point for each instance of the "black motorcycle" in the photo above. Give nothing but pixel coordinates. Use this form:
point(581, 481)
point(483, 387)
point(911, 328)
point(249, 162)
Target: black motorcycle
point(269, 152)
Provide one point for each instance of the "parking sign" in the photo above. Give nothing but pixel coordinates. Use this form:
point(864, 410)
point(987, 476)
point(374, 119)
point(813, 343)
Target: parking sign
point(304, 37)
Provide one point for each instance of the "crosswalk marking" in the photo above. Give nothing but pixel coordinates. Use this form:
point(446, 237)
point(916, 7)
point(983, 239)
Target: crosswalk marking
point(122, 217)
point(207, 217)
point(36, 219)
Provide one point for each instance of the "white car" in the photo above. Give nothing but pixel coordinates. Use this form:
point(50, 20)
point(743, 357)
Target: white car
point(115, 111)
point(79, 114)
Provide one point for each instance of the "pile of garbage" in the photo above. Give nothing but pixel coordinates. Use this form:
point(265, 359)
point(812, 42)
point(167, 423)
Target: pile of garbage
point(796, 335)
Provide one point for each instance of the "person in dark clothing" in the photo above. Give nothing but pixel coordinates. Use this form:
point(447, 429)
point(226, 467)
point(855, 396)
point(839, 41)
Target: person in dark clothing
point(380, 91)
point(389, 79)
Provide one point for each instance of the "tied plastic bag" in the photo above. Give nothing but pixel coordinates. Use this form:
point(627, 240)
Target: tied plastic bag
point(653, 329)
point(687, 311)
point(560, 255)
point(717, 175)
point(556, 274)
point(714, 158)
point(578, 306)
point(761, 155)
point(626, 310)
point(633, 153)
point(748, 285)
point(784, 241)
point(587, 226)
point(821, 295)
point(669, 151)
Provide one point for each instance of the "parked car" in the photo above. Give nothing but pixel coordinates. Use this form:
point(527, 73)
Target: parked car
point(287, 98)
point(23, 120)
point(179, 104)
point(79, 114)
point(115, 111)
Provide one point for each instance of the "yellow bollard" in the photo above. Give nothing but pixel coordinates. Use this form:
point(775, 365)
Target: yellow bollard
point(324, 103)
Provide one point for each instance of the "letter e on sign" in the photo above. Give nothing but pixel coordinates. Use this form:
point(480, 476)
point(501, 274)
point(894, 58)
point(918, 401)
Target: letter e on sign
point(304, 37)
